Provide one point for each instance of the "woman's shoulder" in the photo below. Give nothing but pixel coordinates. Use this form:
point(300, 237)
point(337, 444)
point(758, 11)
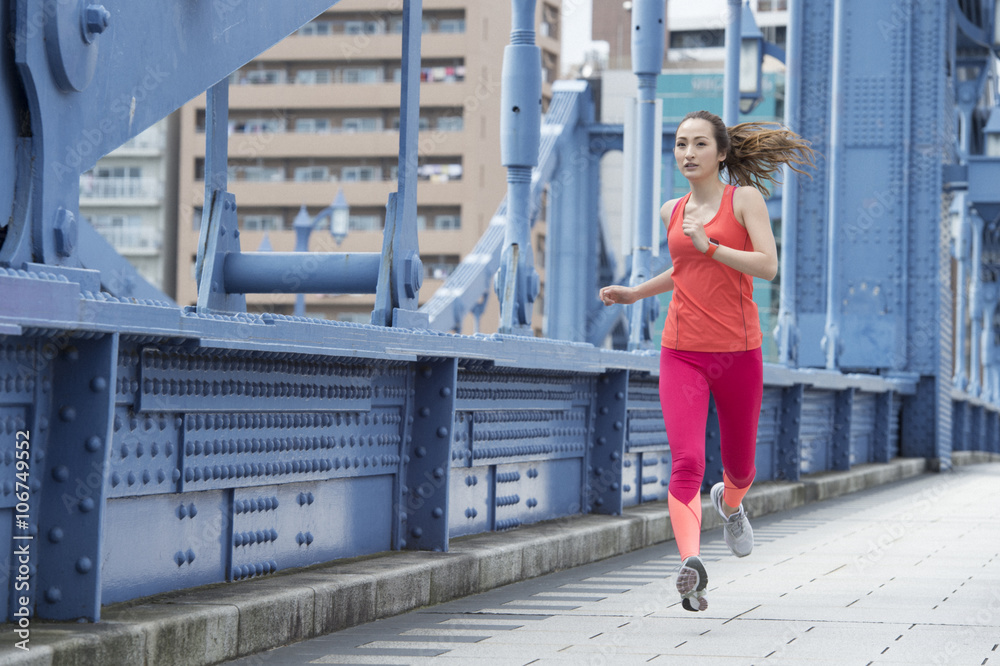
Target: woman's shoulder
point(746, 194)
point(667, 209)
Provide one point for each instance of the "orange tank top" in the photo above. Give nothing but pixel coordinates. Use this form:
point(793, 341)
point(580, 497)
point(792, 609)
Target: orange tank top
point(712, 309)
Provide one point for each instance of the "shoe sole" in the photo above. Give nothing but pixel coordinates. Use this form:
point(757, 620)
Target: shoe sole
point(691, 583)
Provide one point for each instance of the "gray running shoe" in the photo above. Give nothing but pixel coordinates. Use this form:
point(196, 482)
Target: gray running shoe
point(738, 533)
point(691, 583)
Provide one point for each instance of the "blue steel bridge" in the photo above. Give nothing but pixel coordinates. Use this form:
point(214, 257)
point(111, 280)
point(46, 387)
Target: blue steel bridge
point(148, 447)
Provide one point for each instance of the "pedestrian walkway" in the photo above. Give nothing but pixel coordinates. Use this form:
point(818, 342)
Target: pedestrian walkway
point(905, 573)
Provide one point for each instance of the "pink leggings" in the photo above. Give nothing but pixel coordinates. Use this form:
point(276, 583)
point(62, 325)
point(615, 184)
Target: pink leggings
point(736, 380)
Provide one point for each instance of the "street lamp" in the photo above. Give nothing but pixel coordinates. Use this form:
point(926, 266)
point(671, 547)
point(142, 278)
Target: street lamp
point(751, 60)
point(340, 217)
point(339, 213)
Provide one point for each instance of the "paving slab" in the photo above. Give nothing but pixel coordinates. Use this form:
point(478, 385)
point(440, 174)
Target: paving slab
point(887, 539)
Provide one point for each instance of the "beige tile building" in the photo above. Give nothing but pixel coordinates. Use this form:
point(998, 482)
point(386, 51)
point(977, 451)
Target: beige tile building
point(319, 113)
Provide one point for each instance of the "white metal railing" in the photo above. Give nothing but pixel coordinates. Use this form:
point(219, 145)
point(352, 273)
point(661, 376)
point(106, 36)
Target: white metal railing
point(132, 238)
point(121, 188)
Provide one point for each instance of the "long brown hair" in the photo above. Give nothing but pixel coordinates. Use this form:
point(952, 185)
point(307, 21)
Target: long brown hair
point(754, 151)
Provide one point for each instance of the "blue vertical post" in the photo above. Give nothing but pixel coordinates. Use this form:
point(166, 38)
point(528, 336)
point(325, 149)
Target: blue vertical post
point(402, 272)
point(71, 520)
point(731, 92)
point(975, 386)
point(517, 282)
point(787, 329)
point(607, 450)
point(647, 62)
point(961, 254)
point(424, 510)
point(789, 453)
point(831, 329)
point(216, 158)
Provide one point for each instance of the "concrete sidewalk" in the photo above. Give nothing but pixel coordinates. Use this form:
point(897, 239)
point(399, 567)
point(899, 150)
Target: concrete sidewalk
point(222, 622)
point(907, 573)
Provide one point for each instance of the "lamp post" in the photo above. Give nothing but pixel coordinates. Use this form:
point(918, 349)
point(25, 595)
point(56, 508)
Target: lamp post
point(339, 213)
point(744, 62)
point(751, 60)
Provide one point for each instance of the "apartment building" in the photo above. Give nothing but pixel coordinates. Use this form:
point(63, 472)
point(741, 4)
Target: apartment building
point(130, 198)
point(319, 113)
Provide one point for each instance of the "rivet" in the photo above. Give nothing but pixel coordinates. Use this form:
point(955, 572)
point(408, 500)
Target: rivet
point(416, 532)
point(67, 413)
point(53, 595)
point(55, 535)
point(425, 411)
point(93, 444)
point(442, 431)
point(60, 473)
point(86, 505)
point(84, 565)
point(437, 512)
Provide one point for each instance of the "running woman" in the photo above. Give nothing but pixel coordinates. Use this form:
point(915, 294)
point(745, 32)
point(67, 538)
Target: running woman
point(720, 238)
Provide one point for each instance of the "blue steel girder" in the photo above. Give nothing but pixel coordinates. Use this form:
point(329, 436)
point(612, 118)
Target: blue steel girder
point(71, 512)
point(85, 94)
point(467, 284)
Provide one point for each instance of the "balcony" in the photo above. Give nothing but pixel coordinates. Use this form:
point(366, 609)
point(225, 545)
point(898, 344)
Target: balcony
point(145, 190)
point(133, 240)
point(339, 95)
point(303, 145)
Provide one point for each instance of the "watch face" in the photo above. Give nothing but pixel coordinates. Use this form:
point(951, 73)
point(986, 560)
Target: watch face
point(713, 241)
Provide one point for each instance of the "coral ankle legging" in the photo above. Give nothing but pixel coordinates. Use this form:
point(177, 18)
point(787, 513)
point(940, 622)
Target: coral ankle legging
point(736, 380)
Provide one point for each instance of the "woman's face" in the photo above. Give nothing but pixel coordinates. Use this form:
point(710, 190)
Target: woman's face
point(695, 149)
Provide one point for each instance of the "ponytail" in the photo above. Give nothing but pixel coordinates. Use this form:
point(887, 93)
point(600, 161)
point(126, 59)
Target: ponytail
point(754, 151)
point(757, 150)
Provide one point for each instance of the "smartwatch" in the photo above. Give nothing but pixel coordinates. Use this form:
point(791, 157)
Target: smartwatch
point(713, 245)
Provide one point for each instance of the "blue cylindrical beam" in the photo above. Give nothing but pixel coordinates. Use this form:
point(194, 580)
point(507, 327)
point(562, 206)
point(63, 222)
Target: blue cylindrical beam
point(520, 136)
point(647, 61)
point(302, 273)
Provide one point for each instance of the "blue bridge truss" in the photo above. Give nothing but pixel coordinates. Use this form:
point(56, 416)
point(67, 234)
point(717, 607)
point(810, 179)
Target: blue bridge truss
point(147, 447)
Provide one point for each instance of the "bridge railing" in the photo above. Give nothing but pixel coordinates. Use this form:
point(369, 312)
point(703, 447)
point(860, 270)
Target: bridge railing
point(199, 448)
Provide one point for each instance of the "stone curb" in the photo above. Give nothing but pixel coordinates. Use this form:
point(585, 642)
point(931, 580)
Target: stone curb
point(219, 622)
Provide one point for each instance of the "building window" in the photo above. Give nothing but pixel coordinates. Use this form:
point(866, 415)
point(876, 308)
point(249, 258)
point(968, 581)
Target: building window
point(447, 222)
point(363, 27)
point(258, 125)
point(254, 173)
point(360, 174)
point(313, 77)
point(697, 39)
point(261, 223)
point(316, 28)
point(127, 232)
point(772, 5)
point(440, 266)
point(364, 223)
point(439, 173)
point(444, 74)
point(352, 125)
point(264, 76)
point(361, 75)
point(451, 26)
point(450, 123)
point(312, 125)
point(312, 174)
